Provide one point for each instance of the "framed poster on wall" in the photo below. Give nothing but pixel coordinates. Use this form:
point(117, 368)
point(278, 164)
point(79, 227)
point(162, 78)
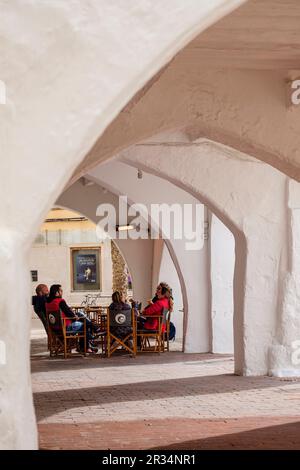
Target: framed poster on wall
point(85, 269)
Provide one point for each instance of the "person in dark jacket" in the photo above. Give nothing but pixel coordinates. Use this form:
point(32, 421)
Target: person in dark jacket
point(39, 303)
point(119, 303)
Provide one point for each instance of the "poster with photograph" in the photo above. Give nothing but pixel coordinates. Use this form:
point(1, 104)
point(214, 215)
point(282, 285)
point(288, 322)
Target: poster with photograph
point(85, 269)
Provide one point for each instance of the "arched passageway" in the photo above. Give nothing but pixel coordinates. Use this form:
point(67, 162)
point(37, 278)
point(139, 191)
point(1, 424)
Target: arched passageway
point(193, 264)
point(224, 179)
point(50, 105)
point(139, 253)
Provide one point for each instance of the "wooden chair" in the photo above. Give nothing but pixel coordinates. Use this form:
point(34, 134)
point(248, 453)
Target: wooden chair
point(166, 334)
point(41, 316)
point(45, 325)
point(77, 308)
point(60, 340)
point(92, 312)
point(155, 340)
point(121, 318)
point(98, 315)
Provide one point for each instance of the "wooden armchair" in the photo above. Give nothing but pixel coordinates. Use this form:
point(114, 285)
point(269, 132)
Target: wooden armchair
point(115, 320)
point(60, 340)
point(166, 334)
point(155, 340)
point(93, 312)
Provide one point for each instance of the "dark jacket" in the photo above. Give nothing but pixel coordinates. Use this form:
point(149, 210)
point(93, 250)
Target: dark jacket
point(119, 306)
point(120, 331)
point(38, 302)
point(39, 306)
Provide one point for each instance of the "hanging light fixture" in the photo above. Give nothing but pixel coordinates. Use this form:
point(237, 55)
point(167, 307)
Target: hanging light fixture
point(121, 228)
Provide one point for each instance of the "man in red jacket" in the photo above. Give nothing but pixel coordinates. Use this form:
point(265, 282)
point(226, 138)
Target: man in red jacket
point(56, 302)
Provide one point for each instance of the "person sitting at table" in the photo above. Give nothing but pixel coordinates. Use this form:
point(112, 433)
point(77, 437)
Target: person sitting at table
point(39, 303)
point(119, 303)
point(136, 305)
point(162, 301)
point(56, 302)
point(169, 289)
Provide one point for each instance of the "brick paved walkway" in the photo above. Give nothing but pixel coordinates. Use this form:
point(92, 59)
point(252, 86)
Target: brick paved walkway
point(174, 400)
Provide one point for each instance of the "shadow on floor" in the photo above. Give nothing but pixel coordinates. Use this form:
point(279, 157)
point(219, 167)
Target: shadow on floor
point(187, 434)
point(279, 437)
point(52, 402)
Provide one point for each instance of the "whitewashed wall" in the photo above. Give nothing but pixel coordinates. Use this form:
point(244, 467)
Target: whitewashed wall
point(222, 259)
point(69, 68)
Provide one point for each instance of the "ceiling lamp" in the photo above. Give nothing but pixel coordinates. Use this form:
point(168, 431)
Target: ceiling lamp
point(121, 228)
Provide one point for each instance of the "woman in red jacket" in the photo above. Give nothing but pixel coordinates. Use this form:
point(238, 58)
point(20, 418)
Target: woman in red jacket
point(162, 302)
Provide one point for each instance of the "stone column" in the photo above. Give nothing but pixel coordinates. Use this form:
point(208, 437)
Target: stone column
point(119, 270)
point(17, 418)
point(285, 351)
point(222, 259)
point(265, 240)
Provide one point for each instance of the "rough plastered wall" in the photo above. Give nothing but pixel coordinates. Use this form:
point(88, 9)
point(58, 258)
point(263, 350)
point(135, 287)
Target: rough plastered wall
point(233, 186)
point(220, 285)
point(191, 265)
point(285, 351)
point(222, 260)
point(167, 273)
point(158, 249)
point(244, 109)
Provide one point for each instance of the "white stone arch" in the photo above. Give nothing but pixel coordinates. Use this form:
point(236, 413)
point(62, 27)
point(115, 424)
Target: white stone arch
point(66, 80)
point(66, 101)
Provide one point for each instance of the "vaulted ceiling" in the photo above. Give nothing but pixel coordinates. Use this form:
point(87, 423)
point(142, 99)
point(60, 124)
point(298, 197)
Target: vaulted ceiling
point(261, 35)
